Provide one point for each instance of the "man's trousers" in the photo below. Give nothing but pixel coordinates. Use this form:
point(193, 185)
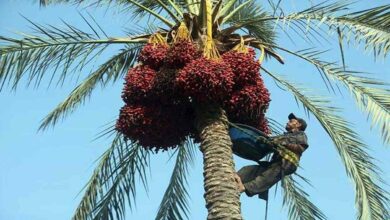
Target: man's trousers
point(257, 179)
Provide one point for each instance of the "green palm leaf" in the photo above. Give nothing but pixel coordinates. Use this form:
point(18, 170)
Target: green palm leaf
point(251, 20)
point(297, 200)
point(52, 48)
point(236, 10)
point(113, 182)
point(174, 203)
point(152, 12)
point(371, 200)
point(143, 7)
point(174, 8)
point(370, 27)
point(275, 126)
point(110, 71)
point(369, 94)
point(193, 6)
point(226, 8)
point(375, 101)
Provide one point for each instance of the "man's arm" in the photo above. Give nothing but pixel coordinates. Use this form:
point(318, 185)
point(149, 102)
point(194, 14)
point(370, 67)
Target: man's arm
point(297, 144)
point(296, 148)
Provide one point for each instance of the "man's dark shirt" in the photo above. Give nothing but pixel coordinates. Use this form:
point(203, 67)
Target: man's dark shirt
point(296, 138)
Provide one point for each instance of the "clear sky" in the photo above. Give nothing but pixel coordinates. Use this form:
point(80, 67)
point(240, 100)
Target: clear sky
point(41, 174)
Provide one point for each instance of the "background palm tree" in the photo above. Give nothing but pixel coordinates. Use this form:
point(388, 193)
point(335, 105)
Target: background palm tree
point(61, 47)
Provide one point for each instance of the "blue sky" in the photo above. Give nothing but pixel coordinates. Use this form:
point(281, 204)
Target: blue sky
point(43, 172)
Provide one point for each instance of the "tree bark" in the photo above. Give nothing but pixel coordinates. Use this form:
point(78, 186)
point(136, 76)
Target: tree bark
point(221, 195)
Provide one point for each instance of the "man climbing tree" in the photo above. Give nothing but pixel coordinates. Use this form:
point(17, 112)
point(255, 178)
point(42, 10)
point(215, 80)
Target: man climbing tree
point(257, 179)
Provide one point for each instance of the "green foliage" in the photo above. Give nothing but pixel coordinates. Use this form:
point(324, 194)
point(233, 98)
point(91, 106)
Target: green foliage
point(113, 185)
point(235, 11)
point(371, 95)
point(52, 50)
point(370, 27)
point(251, 19)
point(298, 203)
point(174, 204)
point(113, 181)
point(111, 71)
point(174, 8)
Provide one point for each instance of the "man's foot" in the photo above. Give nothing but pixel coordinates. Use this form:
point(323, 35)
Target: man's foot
point(237, 178)
point(240, 185)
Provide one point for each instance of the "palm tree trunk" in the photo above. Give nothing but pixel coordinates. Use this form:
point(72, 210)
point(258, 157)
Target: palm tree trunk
point(222, 197)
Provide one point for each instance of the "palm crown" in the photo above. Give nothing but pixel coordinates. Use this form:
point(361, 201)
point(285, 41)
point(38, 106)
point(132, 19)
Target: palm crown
point(220, 26)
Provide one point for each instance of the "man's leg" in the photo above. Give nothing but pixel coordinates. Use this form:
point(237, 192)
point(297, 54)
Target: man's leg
point(263, 180)
point(249, 173)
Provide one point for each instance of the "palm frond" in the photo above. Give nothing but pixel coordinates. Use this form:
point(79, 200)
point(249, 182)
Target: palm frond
point(113, 182)
point(370, 27)
point(368, 93)
point(371, 200)
point(95, 183)
point(43, 2)
point(170, 12)
point(275, 126)
point(235, 11)
point(375, 101)
point(251, 19)
point(52, 49)
point(110, 71)
point(226, 8)
point(275, 7)
point(298, 203)
point(89, 3)
point(140, 7)
point(193, 6)
point(341, 47)
point(174, 8)
point(174, 204)
point(48, 2)
point(149, 11)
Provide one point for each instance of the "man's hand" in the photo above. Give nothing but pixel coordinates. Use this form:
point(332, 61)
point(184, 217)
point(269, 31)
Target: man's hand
point(240, 186)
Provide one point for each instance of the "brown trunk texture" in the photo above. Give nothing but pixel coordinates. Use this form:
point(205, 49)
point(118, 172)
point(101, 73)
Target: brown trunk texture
point(221, 195)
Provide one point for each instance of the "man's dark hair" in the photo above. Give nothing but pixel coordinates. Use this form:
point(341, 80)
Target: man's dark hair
point(300, 120)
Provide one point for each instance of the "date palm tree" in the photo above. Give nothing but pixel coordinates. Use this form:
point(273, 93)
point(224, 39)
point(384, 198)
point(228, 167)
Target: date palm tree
point(112, 184)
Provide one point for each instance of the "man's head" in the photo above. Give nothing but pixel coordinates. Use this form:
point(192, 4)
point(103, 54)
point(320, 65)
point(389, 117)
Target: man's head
point(295, 123)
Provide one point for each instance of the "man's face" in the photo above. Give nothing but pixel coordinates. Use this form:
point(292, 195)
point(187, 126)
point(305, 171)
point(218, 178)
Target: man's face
point(293, 124)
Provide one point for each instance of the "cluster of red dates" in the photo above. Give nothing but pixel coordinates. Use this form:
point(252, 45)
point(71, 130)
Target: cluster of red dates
point(161, 91)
